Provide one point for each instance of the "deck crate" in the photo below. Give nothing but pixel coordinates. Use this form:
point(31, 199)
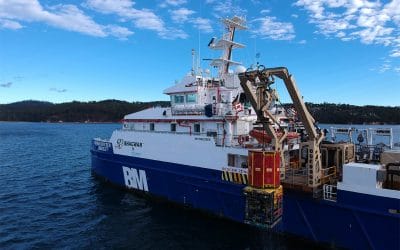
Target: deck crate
point(263, 167)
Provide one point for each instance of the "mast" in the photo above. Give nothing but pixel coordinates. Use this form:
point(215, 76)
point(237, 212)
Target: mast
point(229, 51)
point(227, 44)
point(193, 65)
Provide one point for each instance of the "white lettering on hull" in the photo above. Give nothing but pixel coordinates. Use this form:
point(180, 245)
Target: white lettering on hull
point(135, 179)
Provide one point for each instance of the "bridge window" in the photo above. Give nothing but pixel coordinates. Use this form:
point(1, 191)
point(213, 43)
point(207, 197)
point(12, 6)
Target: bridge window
point(179, 99)
point(173, 127)
point(212, 133)
point(151, 126)
point(196, 128)
point(191, 98)
point(231, 160)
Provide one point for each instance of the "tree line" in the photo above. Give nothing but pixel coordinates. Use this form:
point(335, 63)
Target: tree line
point(352, 114)
point(101, 111)
point(115, 110)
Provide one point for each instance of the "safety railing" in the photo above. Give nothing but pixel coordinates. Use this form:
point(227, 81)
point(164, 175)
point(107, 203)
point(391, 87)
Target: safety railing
point(237, 140)
point(295, 176)
point(330, 192)
point(328, 174)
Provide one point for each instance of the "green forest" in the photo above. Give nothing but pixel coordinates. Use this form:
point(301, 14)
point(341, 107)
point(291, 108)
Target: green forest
point(351, 114)
point(114, 111)
point(102, 111)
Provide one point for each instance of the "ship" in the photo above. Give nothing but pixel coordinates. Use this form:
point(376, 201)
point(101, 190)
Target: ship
point(225, 146)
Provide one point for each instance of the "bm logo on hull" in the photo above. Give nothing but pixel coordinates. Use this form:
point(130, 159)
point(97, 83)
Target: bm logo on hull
point(135, 179)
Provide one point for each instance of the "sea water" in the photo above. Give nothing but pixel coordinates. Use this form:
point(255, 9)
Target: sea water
point(50, 199)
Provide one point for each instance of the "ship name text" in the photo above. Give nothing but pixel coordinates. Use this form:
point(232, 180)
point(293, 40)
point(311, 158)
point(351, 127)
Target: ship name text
point(135, 178)
point(102, 146)
point(133, 144)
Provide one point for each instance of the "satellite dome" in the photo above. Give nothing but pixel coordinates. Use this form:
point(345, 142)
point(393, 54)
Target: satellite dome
point(240, 69)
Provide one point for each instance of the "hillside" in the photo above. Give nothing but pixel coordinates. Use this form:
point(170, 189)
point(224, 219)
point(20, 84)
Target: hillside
point(114, 110)
point(102, 111)
point(351, 114)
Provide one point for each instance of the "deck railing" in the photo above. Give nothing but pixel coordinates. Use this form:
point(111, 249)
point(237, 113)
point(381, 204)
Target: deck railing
point(328, 174)
point(237, 140)
point(330, 192)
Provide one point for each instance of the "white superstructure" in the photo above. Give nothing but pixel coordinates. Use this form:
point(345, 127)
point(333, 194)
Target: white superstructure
point(209, 121)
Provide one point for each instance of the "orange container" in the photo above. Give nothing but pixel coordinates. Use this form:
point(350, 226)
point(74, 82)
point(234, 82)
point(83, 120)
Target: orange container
point(263, 167)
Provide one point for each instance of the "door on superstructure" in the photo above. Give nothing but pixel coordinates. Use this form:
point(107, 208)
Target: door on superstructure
point(220, 134)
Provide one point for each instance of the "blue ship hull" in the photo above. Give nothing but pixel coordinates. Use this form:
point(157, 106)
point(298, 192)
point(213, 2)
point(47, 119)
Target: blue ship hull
point(355, 221)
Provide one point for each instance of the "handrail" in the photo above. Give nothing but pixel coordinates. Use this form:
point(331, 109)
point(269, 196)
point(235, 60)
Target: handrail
point(235, 137)
point(327, 172)
point(330, 192)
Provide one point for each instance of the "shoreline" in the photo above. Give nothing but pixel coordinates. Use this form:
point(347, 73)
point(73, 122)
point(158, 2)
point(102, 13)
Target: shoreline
point(61, 122)
point(119, 122)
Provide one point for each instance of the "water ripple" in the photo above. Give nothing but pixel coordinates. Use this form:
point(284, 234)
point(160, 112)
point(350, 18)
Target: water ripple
point(49, 199)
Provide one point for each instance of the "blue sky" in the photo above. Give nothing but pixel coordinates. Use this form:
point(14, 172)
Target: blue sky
point(340, 51)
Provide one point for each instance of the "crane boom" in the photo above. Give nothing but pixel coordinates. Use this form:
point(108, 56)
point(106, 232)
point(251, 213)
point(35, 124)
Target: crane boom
point(256, 86)
point(302, 111)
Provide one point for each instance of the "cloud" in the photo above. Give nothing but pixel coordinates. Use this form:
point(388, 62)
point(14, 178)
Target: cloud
point(144, 19)
point(141, 18)
point(384, 67)
point(120, 7)
point(395, 52)
point(270, 28)
point(228, 8)
point(58, 90)
point(71, 18)
point(6, 85)
point(9, 24)
point(368, 22)
point(172, 33)
point(118, 31)
point(331, 25)
point(202, 24)
point(181, 15)
point(174, 3)
point(386, 64)
point(64, 16)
